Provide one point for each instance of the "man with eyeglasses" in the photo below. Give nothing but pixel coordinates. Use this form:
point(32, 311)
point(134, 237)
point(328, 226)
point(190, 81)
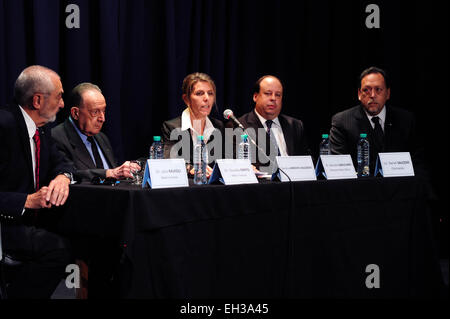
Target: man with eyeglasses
point(80, 139)
point(388, 129)
point(34, 177)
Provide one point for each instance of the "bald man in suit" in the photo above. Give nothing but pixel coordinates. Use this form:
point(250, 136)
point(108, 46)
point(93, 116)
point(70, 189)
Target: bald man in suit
point(275, 133)
point(80, 140)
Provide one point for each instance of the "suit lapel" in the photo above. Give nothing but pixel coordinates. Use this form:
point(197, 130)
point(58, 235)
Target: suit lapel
point(24, 139)
point(388, 128)
point(44, 156)
point(80, 149)
point(254, 121)
point(364, 125)
point(288, 135)
point(107, 152)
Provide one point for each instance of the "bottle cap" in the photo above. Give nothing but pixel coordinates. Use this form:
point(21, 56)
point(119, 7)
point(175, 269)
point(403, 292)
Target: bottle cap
point(200, 138)
point(363, 135)
point(157, 138)
point(324, 135)
point(244, 136)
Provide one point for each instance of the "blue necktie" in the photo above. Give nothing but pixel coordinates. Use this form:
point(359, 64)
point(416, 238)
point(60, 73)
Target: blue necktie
point(98, 159)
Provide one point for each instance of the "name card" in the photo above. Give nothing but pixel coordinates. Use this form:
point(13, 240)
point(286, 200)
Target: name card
point(298, 168)
point(233, 172)
point(336, 167)
point(394, 164)
point(165, 173)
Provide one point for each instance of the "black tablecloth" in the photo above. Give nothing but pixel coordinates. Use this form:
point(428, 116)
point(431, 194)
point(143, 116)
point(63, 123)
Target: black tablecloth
point(267, 240)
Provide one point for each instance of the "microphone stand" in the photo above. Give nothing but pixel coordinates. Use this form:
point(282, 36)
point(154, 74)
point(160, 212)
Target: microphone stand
point(260, 149)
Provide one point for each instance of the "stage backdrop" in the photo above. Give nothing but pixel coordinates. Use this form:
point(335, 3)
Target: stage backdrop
point(138, 52)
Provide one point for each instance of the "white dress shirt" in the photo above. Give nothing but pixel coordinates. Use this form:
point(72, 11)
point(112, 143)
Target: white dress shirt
point(187, 124)
point(381, 116)
point(277, 132)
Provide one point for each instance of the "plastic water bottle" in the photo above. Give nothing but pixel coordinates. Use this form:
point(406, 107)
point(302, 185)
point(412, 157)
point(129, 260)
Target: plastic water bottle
point(200, 161)
point(244, 148)
point(324, 146)
point(156, 150)
point(363, 156)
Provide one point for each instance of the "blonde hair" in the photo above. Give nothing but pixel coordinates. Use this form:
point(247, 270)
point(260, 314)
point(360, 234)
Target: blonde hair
point(192, 79)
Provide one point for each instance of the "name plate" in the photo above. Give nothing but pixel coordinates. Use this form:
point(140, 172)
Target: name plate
point(394, 164)
point(165, 173)
point(336, 167)
point(233, 172)
point(298, 168)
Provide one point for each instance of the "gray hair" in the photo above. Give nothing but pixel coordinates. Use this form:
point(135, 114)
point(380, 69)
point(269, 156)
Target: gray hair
point(76, 98)
point(34, 79)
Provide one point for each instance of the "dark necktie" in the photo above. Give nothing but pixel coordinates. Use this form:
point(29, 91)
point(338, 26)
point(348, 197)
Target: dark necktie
point(98, 160)
point(37, 153)
point(379, 135)
point(272, 138)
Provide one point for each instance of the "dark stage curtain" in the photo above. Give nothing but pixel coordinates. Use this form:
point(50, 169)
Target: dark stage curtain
point(138, 52)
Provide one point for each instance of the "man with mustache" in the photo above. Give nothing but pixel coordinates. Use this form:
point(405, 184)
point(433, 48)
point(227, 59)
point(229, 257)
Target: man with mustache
point(388, 129)
point(34, 177)
point(275, 133)
point(80, 140)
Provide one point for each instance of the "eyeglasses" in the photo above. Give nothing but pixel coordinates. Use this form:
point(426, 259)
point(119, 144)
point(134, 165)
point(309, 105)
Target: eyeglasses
point(368, 91)
point(97, 113)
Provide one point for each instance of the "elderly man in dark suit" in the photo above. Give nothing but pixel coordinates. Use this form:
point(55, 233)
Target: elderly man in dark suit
point(389, 129)
point(80, 140)
point(275, 133)
point(34, 176)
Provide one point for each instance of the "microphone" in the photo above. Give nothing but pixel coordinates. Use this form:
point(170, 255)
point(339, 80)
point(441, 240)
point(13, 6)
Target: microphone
point(228, 114)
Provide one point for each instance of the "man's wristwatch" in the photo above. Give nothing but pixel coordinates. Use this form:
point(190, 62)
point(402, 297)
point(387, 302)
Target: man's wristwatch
point(68, 175)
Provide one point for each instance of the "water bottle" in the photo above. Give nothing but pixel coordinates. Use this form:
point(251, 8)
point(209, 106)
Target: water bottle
point(156, 150)
point(244, 148)
point(324, 146)
point(363, 156)
point(200, 161)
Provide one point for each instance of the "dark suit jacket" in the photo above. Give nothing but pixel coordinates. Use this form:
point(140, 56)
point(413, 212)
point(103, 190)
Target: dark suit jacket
point(399, 134)
point(293, 131)
point(16, 169)
point(70, 144)
point(185, 136)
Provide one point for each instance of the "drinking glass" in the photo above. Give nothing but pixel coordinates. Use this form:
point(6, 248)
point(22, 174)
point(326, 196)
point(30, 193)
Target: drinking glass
point(138, 174)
